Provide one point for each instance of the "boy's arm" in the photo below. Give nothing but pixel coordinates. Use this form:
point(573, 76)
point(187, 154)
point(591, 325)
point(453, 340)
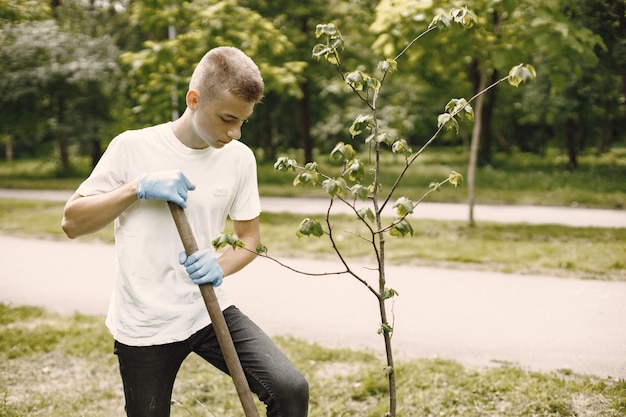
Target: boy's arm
point(83, 215)
point(233, 260)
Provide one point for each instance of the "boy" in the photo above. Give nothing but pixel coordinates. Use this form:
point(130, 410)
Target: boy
point(157, 315)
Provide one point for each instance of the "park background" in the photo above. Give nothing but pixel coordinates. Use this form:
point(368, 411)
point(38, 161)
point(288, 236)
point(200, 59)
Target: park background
point(73, 74)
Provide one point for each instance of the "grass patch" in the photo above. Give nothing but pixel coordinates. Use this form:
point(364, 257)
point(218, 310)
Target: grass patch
point(590, 253)
point(76, 375)
point(40, 219)
point(516, 178)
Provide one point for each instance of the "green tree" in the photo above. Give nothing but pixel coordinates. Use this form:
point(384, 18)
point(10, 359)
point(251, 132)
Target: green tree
point(507, 32)
point(322, 108)
point(181, 34)
point(13, 12)
point(49, 76)
point(21, 10)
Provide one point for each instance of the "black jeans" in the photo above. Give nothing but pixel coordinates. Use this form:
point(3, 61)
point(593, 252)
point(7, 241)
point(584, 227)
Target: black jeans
point(148, 372)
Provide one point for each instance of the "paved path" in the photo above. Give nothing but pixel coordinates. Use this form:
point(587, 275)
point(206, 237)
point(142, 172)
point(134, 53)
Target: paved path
point(475, 317)
point(538, 322)
point(568, 216)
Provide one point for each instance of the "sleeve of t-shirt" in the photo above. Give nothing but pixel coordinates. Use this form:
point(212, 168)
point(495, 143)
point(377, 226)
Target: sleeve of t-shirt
point(247, 204)
point(109, 173)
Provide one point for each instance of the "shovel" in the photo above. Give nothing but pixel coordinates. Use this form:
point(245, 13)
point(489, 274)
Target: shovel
point(217, 318)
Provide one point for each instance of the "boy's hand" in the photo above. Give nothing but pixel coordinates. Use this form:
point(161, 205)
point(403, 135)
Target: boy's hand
point(202, 267)
point(165, 185)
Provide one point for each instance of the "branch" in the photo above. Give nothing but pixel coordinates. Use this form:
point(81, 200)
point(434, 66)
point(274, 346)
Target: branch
point(412, 159)
point(413, 41)
point(338, 252)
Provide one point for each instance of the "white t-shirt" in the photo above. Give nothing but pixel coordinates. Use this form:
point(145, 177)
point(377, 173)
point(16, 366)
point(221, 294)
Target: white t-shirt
point(154, 301)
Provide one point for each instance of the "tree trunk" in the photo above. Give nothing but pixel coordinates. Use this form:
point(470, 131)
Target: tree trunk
point(620, 12)
point(95, 150)
point(489, 104)
point(62, 139)
point(474, 147)
point(305, 123)
point(305, 109)
point(8, 147)
point(570, 142)
point(64, 155)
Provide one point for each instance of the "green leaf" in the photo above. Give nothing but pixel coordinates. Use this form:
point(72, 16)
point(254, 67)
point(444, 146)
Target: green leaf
point(521, 73)
point(455, 178)
point(464, 16)
point(328, 29)
point(390, 293)
point(334, 41)
point(385, 328)
point(309, 227)
point(227, 239)
point(366, 214)
point(460, 106)
point(335, 187)
point(360, 124)
point(306, 177)
point(355, 170)
point(320, 50)
point(342, 152)
point(401, 147)
point(448, 121)
point(384, 137)
point(388, 65)
point(284, 164)
point(361, 81)
point(440, 21)
point(311, 166)
point(435, 186)
point(361, 192)
point(261, 249)
point(371, 188)
point(401, 229)
point(403, 206)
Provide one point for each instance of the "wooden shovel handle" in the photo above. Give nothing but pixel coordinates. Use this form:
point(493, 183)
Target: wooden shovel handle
point(217, 318)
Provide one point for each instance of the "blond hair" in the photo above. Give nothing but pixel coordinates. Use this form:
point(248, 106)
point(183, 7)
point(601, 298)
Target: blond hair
point(227, 69)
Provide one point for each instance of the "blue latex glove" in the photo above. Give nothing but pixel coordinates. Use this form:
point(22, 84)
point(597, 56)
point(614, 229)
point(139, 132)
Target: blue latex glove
point(202, 267)
point(165, 185)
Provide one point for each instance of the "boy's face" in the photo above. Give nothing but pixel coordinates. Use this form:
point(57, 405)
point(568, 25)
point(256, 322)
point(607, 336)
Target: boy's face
point(218, 122)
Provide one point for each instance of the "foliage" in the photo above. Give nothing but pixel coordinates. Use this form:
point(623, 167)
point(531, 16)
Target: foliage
point(160, 72)
point(20, 10)
point(576, 45)
point(55, 83)
point(508, 32)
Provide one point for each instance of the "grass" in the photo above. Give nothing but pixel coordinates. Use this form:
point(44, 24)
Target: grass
point(590, 253)
point(516, 178)
point(59, 366)
point(511, 178)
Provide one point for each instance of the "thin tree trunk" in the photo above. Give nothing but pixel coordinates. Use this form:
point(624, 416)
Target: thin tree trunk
point(620, 12)
point(474, 147)
point(305, 123)
point(570, 142)
point(305, 109)
point(489, 104)
point(8, 147)
point(95, 150)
